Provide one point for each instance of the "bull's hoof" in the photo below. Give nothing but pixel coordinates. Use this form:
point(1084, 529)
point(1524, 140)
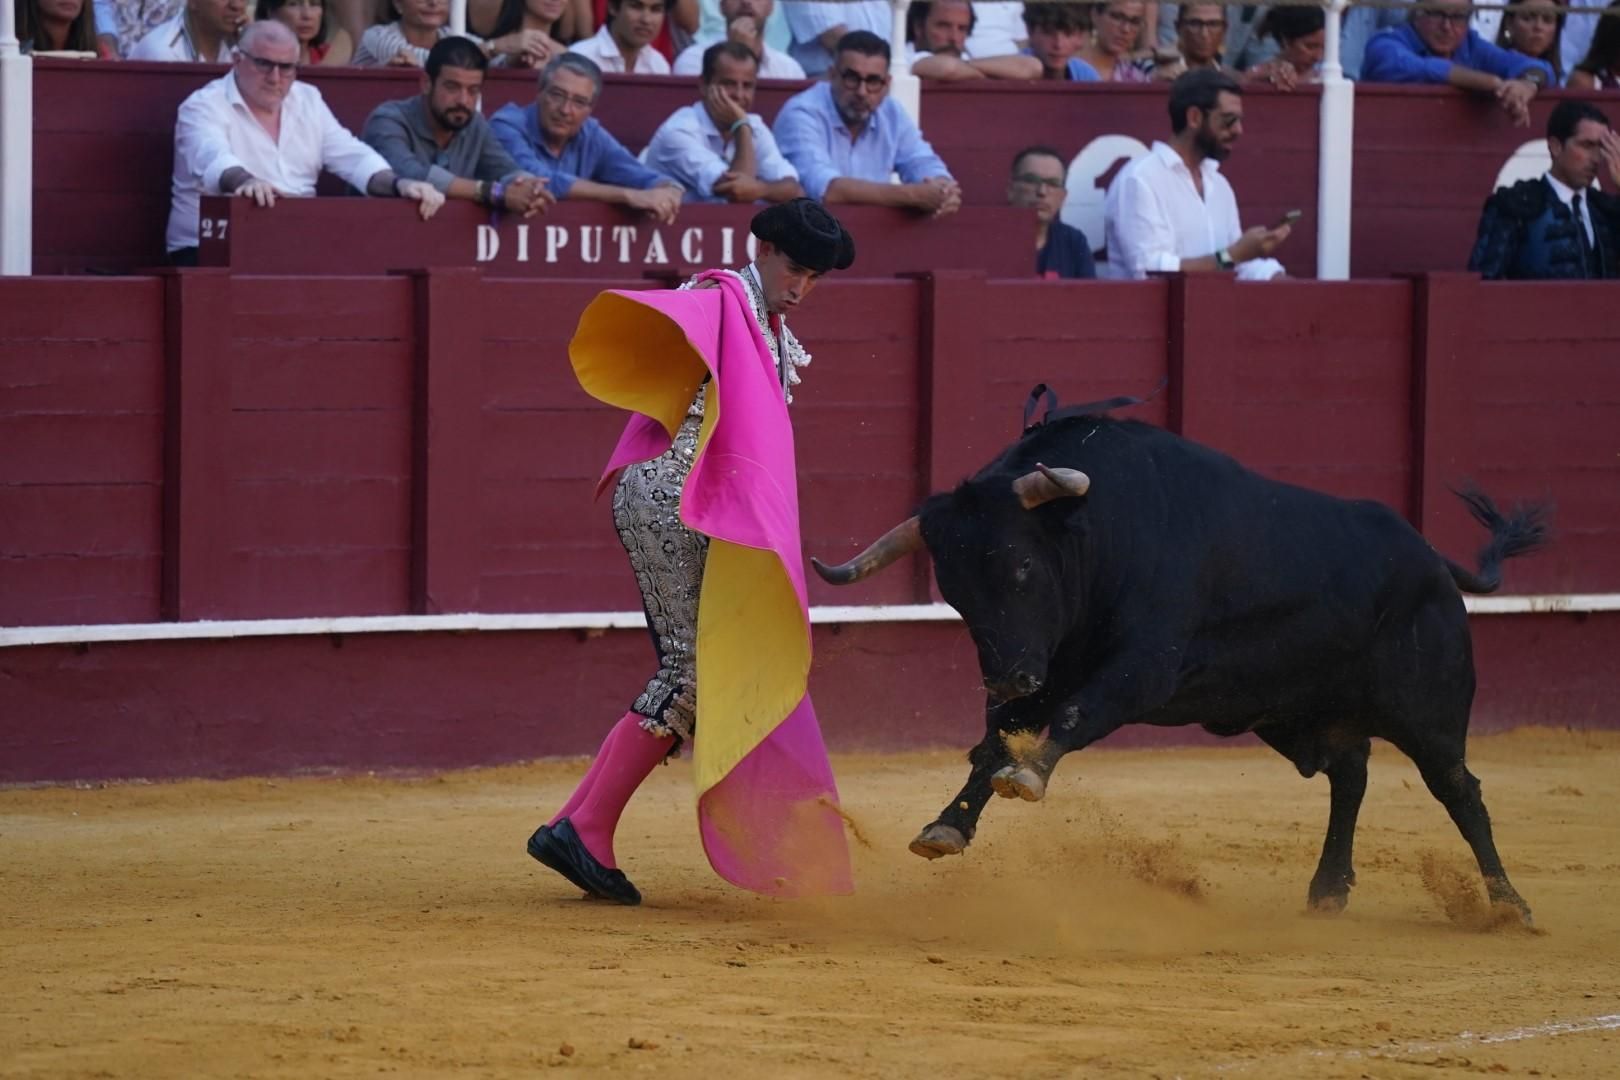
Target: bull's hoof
point(1019, 782)
point(1328, 903)
point(937, 840)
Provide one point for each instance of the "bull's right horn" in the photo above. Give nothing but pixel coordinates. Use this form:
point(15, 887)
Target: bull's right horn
point(1044, 484)
point(899, 541)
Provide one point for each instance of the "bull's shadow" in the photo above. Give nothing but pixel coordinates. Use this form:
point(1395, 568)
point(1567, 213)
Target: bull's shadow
point(1112, 573)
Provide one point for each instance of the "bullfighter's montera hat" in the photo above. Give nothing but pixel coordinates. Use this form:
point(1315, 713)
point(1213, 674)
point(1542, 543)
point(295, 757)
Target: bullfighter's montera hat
point(807, 233)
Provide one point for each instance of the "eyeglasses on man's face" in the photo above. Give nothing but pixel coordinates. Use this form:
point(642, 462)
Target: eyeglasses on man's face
point(1203, 26)
point(286, 69)
point(1122, 19)
point(1039, 183)
point(1454, 19)
point(563, 100)
point(854, 80)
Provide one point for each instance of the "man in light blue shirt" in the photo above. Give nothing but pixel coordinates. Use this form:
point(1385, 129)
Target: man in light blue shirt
point(1437, 46)
point(718, 149)
point(819, 25)
point(847, 136)
point(557, 138)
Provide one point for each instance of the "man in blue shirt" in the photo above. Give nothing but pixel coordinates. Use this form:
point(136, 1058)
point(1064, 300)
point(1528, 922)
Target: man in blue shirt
point(557, 138)
point(846, 136)
point(1437, 46)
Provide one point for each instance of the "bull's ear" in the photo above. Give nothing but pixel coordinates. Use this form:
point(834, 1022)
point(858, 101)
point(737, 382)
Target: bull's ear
point(1044, 484)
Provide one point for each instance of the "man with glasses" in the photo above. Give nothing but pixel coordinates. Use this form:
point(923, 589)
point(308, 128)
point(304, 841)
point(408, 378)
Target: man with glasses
point(204, 32)
point(1061, 250)
point(439, 136)
point(1171, 210)
point(1437, 46)
point(258, 133)
point(558, 139)
point(846, 137)
point(1200, 39)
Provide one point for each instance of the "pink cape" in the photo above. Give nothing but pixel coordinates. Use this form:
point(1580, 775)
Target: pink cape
point(771, 822)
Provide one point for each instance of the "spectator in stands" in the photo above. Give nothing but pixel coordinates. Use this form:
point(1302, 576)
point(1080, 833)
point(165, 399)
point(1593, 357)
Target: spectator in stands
point(624, 43)
point(121, 23)
point(223, 141)
point(535, 24)
point(557, 138)
point(719, 148)
point(1599, 69)
point(440, 137)
point(745, 24)
point(937, 32)
point(1575, 41)
point(1534, 28)
point(847, 136)
point(1061, 250)
point(998, 29)
point(712, 27)
point(1057, 30)
point(59, 26)
point(1300, 32)
point(1358, 26)
point(1200, 39)
point(321, 42)
point(1437, 46)
point(1558, 226)
point(1172, 210)
point(1117, 26)
point(405, 41)
point(819, 25)
point(204, 32)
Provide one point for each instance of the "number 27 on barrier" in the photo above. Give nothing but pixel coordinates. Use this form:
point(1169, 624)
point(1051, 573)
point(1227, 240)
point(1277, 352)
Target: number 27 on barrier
point(214, 228)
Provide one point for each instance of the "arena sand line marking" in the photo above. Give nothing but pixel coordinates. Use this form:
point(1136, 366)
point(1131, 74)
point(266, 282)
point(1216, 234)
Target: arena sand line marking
point(1464, 1041)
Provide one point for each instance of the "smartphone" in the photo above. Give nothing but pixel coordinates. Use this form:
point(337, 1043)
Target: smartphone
point(1289, 218)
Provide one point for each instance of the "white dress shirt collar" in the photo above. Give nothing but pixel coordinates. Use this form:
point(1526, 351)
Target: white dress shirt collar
point(1566, 194)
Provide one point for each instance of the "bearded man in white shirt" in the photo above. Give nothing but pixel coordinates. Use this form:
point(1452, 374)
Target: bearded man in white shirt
point(1172, 210)
point(258, 133)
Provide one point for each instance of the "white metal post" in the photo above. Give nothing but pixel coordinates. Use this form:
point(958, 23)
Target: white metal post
point(16, 150)
point(904, 87)
point(1335, 135)
point(458, 16)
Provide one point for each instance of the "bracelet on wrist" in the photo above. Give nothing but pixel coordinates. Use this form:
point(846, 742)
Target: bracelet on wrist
point(735, 124)
point(497, 194)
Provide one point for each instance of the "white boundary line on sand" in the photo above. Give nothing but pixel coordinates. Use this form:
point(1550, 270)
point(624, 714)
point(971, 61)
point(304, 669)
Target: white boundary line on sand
point(473, 622)
point(1464, 1041)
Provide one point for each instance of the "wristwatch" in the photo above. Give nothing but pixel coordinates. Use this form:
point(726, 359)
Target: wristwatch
point(1223, 259)
point(1534, 77)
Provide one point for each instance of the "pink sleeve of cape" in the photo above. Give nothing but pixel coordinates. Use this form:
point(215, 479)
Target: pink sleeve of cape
point(771, 824)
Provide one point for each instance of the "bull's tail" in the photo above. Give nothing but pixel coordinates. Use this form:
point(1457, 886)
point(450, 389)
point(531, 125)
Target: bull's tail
point(1520, 532)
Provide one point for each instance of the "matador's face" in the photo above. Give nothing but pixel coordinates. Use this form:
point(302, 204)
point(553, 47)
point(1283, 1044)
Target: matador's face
point(786, 283)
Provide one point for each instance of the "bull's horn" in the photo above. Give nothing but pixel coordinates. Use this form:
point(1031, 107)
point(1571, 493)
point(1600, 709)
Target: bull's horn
point(1044, 484)
point(899, 541)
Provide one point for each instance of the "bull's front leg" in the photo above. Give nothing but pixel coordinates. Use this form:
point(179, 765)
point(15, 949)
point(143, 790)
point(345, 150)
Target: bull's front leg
point(952, 831)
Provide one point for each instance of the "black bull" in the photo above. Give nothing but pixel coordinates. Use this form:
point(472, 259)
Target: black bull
point(1144, 579)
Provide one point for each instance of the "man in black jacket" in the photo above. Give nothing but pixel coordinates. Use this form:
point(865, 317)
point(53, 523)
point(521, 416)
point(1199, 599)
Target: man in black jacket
point(1559, 226)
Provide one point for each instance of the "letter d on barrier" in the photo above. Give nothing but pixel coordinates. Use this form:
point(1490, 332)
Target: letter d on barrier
point(489, 243)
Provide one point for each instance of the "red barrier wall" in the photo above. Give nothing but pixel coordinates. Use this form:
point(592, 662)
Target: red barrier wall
point(1425, 157)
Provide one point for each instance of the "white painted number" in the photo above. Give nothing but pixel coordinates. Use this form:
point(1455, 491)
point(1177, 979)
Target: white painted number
point(214, 228)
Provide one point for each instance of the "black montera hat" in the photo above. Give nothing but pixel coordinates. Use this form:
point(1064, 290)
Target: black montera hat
point(807, 233)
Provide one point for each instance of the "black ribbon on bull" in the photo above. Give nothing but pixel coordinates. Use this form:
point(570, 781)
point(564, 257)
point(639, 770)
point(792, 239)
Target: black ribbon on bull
point(1042, 392)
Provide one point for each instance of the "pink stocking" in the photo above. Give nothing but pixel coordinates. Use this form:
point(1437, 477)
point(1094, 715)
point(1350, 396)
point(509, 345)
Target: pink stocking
point(628, 755)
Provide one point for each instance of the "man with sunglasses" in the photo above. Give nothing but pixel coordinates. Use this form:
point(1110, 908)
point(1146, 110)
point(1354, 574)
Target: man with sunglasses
point(846, 136)
point(557, 138)
point(259, 133)
point(1038, 183)
point(1438, 46)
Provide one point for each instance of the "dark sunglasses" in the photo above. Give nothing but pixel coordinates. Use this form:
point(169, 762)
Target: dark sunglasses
point(270, 67)
point(853, 80)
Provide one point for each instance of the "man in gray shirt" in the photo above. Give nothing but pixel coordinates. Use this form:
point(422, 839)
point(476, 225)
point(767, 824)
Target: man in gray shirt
point(439, 136)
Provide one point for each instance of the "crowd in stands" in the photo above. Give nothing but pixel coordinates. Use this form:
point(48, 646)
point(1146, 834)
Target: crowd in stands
point(258, 132)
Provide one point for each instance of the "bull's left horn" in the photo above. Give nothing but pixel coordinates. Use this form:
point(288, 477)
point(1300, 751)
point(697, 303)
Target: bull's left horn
point(1044, 484)
point(899, 541)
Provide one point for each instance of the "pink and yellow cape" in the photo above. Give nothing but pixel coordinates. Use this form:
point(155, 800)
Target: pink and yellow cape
point(767, 801)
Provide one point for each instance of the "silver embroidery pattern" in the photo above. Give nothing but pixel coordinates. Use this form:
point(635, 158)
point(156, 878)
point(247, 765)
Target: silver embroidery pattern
point(667, 557)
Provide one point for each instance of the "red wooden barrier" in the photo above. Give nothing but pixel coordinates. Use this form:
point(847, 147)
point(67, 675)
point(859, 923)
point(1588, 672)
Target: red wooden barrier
point(1425, 157)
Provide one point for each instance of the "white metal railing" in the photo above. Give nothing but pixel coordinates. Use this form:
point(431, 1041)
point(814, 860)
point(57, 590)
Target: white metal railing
point(16, 150)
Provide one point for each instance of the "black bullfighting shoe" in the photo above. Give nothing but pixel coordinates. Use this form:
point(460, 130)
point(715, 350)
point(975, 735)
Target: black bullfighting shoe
point(559, 848)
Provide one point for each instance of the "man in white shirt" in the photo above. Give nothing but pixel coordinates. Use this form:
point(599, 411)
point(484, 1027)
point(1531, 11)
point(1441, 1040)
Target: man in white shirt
point(204, 32)
point(745, 23)
point(258, 133)
point(998, 28)
point(718, 148)
point(937, 33)
point(1172, 210)
point(624, 44)
point(818, 26)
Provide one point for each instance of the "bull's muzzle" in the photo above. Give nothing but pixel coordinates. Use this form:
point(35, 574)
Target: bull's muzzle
point(1017, 685)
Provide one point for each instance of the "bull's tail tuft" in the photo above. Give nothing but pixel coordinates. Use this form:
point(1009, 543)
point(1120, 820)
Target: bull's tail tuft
point(1523, 530)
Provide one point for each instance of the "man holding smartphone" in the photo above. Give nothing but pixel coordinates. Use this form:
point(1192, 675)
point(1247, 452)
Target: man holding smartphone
point(1172, 210)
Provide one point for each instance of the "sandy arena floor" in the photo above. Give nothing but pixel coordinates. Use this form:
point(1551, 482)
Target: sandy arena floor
point(1145, 920)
